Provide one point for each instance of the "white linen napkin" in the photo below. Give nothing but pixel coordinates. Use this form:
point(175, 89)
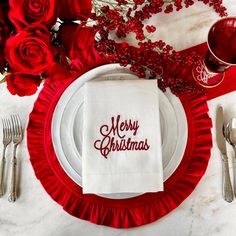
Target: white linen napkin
point(121, 150)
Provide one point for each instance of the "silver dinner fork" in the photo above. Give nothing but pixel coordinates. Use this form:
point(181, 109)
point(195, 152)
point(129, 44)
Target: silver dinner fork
point(17, 137)
point(7, 137)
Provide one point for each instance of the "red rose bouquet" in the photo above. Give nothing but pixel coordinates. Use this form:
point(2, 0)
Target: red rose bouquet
point(30, 52)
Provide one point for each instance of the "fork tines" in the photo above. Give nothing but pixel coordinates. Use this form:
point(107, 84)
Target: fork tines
point(6, 131)
point(16, 129)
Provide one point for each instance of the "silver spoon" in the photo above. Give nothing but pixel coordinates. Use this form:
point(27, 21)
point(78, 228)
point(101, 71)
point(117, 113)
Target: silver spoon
point(230, 136)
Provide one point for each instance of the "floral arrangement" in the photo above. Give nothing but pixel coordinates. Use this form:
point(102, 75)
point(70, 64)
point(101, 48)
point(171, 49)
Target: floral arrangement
point(43, 40)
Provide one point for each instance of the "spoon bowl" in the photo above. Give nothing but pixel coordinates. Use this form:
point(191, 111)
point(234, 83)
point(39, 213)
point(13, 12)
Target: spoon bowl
point(226, 133)
point(230, 132)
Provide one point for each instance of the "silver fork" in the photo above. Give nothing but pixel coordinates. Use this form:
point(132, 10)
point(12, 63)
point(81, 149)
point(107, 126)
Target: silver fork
point(7, 137)
point(17, 137)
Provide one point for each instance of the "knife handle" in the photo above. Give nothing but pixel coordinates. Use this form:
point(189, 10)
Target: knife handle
point(227, 186)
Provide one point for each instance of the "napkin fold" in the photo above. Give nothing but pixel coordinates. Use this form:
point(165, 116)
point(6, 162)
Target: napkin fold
point(121, 150)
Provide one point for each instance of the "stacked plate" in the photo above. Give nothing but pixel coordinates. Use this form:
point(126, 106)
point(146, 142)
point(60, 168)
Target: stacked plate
point(67, 125)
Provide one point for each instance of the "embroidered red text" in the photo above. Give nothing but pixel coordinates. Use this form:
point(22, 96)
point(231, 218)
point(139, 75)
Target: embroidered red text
point(114, 137)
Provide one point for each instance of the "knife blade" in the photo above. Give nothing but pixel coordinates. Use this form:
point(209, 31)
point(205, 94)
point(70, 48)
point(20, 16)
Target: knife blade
point(221, 142)
point(219, 131)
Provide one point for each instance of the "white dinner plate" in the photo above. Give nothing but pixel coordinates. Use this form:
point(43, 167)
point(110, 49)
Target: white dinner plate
point(67, 125)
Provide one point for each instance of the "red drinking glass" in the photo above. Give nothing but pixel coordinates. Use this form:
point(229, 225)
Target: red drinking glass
point(221, 53)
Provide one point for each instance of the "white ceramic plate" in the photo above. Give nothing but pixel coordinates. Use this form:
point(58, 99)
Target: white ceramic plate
point(68, 118)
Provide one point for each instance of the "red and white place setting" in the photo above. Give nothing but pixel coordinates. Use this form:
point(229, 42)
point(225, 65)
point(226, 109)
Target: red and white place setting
point(118, 117)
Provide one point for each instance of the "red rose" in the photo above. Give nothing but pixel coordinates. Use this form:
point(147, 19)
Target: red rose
point(76, 39)
point(3, 36)
point(22, 84)
point(25, 12)
point(79, 45)
point(74, 9)
point(30, 51)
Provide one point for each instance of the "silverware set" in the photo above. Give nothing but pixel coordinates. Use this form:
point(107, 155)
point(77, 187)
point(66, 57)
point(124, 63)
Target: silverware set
point(226, 133)
point(12, 133)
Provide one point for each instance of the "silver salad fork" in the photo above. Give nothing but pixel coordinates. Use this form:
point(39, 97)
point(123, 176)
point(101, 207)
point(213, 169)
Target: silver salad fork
point(7, 137)
point(17, 137)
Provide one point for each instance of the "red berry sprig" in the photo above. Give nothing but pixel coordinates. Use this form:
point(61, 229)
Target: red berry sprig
point(151, 58)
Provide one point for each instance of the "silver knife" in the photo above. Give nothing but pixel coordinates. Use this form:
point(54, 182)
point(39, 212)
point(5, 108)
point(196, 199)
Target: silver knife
point(221, 142)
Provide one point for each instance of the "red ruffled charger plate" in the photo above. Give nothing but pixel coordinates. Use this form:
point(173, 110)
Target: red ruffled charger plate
point(119, 213)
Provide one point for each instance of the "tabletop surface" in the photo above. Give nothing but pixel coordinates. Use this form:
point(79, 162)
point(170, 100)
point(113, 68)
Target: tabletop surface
point(204, 212)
